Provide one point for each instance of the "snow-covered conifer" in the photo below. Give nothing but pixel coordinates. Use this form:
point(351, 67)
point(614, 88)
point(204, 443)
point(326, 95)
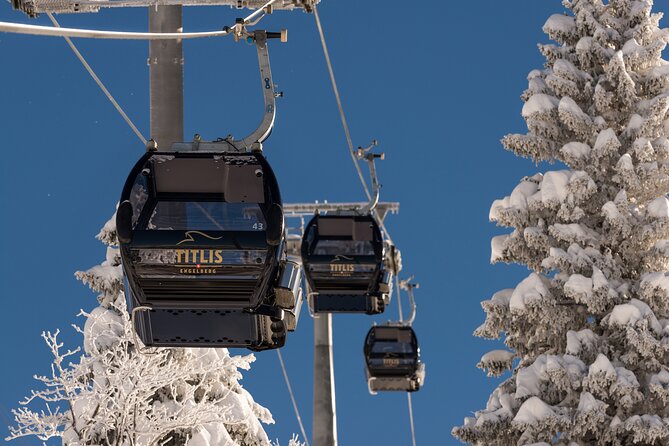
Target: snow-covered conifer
point(588, 329)
point(113, 395)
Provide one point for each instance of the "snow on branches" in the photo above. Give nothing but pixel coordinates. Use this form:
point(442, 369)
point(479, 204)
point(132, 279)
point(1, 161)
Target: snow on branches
point(588, 329)
point(113, 395)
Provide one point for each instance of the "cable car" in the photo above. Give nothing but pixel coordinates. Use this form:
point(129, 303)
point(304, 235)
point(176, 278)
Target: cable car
point(343, 258)
point(392, 358)
point(202, 243)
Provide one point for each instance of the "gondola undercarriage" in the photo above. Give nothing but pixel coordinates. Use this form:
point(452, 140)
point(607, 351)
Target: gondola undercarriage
point(410, 383)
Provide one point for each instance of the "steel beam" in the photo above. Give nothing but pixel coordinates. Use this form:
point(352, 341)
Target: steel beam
point(35, 7)
point(166, 77)
point(324, 432)
point(306, 209)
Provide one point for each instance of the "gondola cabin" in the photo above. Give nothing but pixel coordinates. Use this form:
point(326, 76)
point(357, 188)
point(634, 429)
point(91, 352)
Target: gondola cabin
point(392, 358)
point(202, 244)
point(343, 260)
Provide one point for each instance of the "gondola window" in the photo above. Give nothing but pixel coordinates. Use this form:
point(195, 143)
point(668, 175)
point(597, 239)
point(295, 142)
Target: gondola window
point(207, 216)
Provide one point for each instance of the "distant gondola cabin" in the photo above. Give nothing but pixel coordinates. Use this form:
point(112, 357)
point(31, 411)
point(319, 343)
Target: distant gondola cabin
point(392, 359)
point(343, 260)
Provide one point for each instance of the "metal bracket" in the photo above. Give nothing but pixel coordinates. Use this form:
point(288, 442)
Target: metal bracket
point(301, 210)
point(409, 287)
point(255, 139)
point(366, 154)
point(253, 142)
point(276, 314)
point(310, 296)
point(138, 342)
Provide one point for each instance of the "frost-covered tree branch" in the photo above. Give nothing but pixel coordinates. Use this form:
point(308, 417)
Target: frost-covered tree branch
point(113, 395)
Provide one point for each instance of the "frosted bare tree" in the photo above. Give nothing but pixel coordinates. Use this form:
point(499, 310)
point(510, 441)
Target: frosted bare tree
point(588, 329)
point(111, 395)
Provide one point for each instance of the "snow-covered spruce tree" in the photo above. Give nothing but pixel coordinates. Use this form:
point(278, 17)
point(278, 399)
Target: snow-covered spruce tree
point(116, 396)
point(588, 329)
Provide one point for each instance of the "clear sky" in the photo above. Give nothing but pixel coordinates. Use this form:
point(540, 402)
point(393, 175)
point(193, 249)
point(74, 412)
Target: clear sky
point(437, 83)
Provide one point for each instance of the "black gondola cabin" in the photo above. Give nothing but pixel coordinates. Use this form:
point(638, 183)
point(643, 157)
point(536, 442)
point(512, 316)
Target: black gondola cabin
point(343, 257)
point(202, 244)
point(392, 359)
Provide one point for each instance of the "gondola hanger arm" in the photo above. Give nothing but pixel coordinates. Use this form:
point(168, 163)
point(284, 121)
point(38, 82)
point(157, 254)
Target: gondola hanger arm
point(409, 287)
point(367, 154)
point(260, 38)
point(253, 142)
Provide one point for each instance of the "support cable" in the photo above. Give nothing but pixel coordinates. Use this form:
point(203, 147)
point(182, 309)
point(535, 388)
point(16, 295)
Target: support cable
point(98, 81)
point(339, 104)
point(344, 123)
point(66, 33)
point(399, 284)
point(292, 397)
point(413, 432)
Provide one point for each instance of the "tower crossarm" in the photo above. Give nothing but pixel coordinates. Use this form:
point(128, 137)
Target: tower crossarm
point(35, 7)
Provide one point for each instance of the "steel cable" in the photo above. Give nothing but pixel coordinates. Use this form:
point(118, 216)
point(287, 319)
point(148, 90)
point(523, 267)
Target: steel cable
point(339, 103)
point(99, 82)
point(413, 432)
point(30, 29)
point(344, 123)
point(292, 397)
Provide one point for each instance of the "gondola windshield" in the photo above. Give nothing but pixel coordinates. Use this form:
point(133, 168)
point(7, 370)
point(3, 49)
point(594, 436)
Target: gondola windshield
point(332, 236)
point(181, 193)
point(333, 247)
point(206, 216)
point(383, 348)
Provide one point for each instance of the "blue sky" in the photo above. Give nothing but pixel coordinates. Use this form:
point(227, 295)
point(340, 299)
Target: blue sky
point(437, 85)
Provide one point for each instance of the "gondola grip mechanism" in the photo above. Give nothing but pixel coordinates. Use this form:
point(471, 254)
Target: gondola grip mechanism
point(252, 142)
point(151, 145)
point(255, 139)
point(409, 287)
point(366, 154)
